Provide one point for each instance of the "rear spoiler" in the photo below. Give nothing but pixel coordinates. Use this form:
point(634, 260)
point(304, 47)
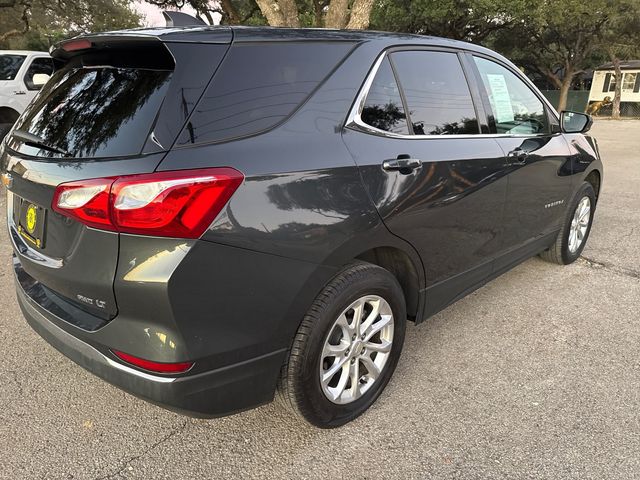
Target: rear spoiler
point(117, 50)
point(180, 27)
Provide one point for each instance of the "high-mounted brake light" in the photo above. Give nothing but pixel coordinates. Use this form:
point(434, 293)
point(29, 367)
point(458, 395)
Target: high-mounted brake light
point(74, 45)
point(179, 204)
point(157, 367)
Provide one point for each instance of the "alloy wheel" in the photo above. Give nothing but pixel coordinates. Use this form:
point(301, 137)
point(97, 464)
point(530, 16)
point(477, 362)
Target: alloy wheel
point(356, 349)
point(579, 224)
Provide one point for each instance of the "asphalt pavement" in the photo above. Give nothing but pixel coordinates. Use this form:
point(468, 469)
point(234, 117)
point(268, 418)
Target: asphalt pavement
point(536, 375)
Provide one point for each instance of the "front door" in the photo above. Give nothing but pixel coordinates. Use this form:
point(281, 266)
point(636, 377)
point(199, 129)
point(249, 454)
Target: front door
point(435, 181)
point(537, 156)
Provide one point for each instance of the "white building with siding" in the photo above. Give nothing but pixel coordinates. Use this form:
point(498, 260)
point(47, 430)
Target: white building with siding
point(604, 85)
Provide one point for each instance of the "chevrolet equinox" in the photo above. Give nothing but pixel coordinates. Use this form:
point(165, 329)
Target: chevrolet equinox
point(203, 216)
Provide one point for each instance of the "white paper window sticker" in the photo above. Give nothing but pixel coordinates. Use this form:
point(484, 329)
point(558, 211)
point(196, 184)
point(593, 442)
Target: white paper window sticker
point(501, 99)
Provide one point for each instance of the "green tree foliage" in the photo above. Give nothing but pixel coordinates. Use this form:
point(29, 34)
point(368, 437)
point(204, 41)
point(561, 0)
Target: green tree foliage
point(470, 20)
point(560, 38)
point(556, 39)
point(37, 24)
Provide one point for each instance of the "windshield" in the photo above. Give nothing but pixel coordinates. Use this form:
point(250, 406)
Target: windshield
point(9, 66)
point(95, 112)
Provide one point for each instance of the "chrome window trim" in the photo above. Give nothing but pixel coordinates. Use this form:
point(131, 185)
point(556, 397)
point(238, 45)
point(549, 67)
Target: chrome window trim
point(355, 122)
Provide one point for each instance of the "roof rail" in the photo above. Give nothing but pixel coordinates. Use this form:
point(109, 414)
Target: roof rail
point(179, 19)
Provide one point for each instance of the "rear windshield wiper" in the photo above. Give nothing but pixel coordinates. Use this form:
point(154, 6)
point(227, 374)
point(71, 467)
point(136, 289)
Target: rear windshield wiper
point(36, 141)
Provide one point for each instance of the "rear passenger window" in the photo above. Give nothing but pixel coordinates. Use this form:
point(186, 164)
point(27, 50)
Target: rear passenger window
point(383, 108)
point(436, 91)
point(516, 109)
point(259, 85)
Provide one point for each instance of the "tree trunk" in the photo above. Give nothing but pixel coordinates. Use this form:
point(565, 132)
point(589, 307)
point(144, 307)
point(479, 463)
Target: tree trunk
point(26, 17)
point(565, 86)
point(338, 14)
point(360, 14)
point(232, 14)
point(280, 13)
point(271, 11)
point(290, 13)
point(617, 95)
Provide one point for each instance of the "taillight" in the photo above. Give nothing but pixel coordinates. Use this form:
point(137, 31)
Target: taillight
point(178, 204)
point(157, 367)
point(87, 201)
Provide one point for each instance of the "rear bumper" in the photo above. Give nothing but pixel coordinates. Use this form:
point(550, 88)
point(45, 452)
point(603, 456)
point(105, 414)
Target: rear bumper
point(213, 393)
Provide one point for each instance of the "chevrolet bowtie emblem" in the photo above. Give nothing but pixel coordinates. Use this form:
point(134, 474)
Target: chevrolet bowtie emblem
point(7, 180)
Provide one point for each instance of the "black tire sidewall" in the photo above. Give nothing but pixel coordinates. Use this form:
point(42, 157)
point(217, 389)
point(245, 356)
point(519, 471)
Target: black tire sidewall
point(586, 190)
point(326, 413)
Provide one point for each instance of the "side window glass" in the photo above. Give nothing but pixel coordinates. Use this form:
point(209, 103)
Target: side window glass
point(258, 85)
point(515, 108)
point(383, 107)
point(41, 66)
point(437, 93)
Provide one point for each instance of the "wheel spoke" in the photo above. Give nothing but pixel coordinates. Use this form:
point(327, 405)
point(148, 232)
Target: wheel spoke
point(383, 347)
point(331, 350)
point(376, 327)
point(343, 323)
point(333, 369)
point(572, 240)
point(344, 377)
point(372, 369)
point(373, 315)
point(357, 316)
point(354, 373)
point(584, 216)
point(581, 210)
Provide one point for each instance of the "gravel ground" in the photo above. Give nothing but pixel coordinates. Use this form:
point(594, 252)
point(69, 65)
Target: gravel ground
point(536, 375)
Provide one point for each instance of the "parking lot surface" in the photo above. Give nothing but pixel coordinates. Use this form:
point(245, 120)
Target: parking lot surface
point(536, 375)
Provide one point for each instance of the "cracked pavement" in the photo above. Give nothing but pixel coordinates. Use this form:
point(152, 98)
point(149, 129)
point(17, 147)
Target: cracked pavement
point(536, 375)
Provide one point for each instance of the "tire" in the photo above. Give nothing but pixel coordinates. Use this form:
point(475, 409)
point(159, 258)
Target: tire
point(300, 387)
point(561, 252)
point(4, 129)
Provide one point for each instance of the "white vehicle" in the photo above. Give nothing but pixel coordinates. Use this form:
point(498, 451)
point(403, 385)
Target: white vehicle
point(22, 74)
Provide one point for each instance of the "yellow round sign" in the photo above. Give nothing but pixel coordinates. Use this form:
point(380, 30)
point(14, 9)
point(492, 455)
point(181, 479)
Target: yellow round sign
point(32, 218)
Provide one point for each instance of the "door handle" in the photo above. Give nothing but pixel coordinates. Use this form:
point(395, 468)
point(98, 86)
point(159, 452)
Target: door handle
point(19, 92)
point(403, 164)
point(517, 157)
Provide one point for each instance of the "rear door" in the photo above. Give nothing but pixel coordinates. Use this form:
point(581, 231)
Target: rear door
point(437, 182)
point(112, 109)
point(537, 155)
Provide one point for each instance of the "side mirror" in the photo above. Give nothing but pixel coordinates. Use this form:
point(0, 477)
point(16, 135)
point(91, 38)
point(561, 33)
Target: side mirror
point(39, 79)
point(574, 122)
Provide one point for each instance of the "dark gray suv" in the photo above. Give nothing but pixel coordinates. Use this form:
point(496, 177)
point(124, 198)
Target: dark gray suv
point(203, 215)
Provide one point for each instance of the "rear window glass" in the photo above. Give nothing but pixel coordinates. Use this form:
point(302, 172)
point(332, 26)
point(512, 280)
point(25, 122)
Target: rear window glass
point(95, 112)
point(438, 97)
point(258, 86)
point(9, 66)
point(383, 108)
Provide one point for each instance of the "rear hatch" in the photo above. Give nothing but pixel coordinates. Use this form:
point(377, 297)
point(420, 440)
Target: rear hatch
point(113, 107)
